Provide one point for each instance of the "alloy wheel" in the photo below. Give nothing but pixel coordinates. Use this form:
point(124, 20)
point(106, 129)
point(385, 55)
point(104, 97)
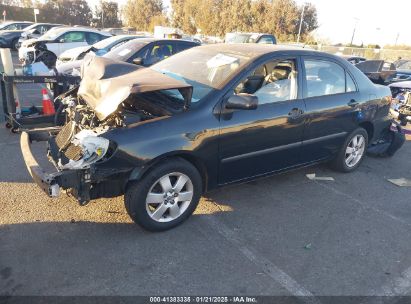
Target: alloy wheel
point(169, 197)
point(355, 150)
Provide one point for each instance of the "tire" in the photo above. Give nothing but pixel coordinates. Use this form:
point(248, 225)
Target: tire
point(48, 58)
point(167, 212)
point(14, 44)
point(341, 162)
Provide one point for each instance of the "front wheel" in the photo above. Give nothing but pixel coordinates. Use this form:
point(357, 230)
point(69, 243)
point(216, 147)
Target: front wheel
point(352, 152)
point(164, 197)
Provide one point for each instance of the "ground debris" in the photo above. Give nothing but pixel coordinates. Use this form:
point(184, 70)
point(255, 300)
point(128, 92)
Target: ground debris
point(400, 182)
point(312, 176)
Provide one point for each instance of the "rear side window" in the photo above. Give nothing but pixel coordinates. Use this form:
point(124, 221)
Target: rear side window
point(92, 38)
point(324, 78)
point(351, 87)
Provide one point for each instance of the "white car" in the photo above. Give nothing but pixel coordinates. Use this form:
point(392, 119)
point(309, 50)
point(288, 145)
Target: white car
point(57, 40)
point(99, 49)
point(35, 31)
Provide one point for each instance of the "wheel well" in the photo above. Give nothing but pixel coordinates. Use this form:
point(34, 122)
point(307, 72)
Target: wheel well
point(369, 128)
point(187, 157)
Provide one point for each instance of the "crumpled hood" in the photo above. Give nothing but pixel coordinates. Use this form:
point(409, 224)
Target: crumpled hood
point(106, 83)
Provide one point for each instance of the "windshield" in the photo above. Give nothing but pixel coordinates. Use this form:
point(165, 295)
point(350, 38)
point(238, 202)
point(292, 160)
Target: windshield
point(203, 69)
point(107, 42)
point(126, 50)
point(53, 33)
point(242, 38)
point(404, 65)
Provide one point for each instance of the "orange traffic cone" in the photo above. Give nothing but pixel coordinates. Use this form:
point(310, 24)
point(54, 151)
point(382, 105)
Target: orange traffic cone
point(48, 105)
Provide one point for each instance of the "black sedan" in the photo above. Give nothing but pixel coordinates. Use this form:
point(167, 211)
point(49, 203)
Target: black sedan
point(207, 117)
point(142, 51)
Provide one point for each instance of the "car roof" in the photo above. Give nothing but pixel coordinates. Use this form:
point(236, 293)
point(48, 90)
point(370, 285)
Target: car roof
point(257, 50)
point(150, 39)
point(84, 29)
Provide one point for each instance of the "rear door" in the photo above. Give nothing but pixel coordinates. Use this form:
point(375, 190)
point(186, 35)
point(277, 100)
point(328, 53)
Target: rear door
point(331, 98)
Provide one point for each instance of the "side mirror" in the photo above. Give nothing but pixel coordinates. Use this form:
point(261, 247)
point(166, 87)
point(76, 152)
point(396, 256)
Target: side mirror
point(138, 61)
point(62, 40)
point(242, 102)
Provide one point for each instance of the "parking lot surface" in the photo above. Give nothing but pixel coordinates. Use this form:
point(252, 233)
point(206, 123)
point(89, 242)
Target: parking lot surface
point(283, 235)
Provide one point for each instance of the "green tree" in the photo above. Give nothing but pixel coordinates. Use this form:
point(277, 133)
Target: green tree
point(140, 13)
point(107, 14)
point(75, 12)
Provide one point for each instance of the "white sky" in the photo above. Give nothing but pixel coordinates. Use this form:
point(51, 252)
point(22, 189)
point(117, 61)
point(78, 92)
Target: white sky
point(379, 21)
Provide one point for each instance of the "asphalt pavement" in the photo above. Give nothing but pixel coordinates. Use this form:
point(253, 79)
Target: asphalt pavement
point(283, 235)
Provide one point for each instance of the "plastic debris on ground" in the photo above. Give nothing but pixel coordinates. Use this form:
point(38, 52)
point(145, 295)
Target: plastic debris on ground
point(312, 176)
point(400, 182)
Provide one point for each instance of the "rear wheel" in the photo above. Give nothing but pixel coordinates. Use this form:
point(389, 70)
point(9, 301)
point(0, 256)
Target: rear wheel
point(164, 197)
point(352, 152)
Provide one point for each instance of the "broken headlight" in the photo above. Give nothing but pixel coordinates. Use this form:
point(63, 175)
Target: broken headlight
point(86, 148)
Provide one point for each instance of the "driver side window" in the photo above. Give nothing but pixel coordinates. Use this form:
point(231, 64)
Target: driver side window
point(271, 82)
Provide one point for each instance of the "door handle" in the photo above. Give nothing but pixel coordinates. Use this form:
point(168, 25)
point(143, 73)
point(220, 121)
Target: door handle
point(353, 103)
point(295, 113)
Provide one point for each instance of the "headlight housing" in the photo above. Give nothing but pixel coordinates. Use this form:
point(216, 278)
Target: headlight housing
point(93, 148)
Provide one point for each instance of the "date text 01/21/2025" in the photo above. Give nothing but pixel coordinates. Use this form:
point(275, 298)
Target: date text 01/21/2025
point(203, 299)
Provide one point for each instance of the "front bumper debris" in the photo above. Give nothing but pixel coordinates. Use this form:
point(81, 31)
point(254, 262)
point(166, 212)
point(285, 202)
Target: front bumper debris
point(50, 183)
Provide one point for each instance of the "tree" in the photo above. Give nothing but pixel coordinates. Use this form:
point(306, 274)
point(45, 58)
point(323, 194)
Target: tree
point(68, 12)
point(140, 13)
point(107, 14)
point(218, 17)
point(310, 22)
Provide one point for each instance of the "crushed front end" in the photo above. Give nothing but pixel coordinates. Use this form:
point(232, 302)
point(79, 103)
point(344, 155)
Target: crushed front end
point(113, 97)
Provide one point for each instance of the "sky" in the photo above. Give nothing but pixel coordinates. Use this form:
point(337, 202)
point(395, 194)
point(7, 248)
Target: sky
point(376, 21)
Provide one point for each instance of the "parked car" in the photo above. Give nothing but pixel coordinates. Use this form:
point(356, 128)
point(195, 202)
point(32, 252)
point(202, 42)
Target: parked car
point(142, 51)
point(379, 71)
point(354, 59)
point(57, 40)
point(207, 117)
point(14, 25)
point(99, 49)
point(35, 31)
point(401, 105)
point(403, 67)
point(250, 38)
point(10, 33)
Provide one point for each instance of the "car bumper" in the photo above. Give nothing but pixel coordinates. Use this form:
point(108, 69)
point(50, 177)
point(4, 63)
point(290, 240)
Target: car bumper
point(84, 184)
point(50, 183)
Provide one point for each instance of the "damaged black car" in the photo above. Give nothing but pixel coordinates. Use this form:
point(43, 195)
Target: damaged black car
point(207, 117)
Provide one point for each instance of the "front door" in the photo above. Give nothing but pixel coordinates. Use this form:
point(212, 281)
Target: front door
point(269, 138)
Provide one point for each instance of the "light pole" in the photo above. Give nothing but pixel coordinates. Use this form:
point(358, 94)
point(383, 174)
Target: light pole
point(353, 32)
point(396, 39)
point(102, 13)
point(301, 24)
